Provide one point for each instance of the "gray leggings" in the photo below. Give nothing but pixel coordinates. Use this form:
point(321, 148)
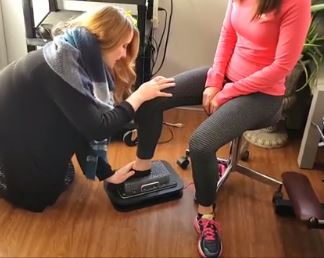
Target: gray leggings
point(228, 122)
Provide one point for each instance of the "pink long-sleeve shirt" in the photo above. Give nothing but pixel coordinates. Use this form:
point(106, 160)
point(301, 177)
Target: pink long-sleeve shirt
point(257, 55)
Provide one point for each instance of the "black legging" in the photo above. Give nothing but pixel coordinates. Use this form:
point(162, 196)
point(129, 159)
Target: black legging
point(228, 122)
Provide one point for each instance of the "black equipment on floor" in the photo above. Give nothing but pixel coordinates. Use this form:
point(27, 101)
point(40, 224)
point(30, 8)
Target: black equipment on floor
point(163, 184)
point(302, 200)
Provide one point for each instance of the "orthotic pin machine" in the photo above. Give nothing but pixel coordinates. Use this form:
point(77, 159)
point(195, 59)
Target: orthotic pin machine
point(163, 184)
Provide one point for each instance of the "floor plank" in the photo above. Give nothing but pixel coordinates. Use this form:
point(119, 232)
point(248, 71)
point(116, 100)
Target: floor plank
point(83, 223)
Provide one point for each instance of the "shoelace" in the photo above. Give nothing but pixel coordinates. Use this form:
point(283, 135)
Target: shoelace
point(210, 227)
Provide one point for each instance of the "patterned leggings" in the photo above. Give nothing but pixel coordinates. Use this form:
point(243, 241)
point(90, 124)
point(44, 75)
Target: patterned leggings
point(228, 122)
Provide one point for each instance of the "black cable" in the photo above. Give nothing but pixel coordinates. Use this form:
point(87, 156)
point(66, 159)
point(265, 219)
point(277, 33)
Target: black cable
point(164, 27)
point(154, 53)
point(170, 138)
point(170, 126)
point(151, 50)
point(162, 36)
point(189, 184)
point(166, 41)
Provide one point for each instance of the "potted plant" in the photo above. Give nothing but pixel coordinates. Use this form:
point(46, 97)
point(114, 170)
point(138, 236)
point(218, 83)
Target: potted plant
point(307, 68)
point(312, 54)
point(299, 86)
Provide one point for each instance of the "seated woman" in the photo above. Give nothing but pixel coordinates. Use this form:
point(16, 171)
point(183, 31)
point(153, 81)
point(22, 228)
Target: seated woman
point(66, 98)
point(260, 43)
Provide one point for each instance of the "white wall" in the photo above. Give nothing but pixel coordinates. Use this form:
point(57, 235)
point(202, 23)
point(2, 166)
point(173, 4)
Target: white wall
point(194, 33)
point(193, 37)
point(41, 8)
point(3, 49)
point(86, 6)
point(13, 22)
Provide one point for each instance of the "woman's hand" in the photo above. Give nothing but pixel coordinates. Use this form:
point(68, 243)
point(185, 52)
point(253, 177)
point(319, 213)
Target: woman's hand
point(150, 90)
point(209, 102)
point(122, 174)
point(213, 106)
point(153, 88)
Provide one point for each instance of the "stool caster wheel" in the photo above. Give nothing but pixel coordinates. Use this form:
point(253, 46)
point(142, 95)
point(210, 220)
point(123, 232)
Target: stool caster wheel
point(282, 207)
point(183, 162)
point(245, 155)
point(277, 196)
point(312, 222)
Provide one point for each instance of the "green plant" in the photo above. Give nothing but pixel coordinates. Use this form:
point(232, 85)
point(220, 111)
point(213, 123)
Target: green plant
point(312, 54)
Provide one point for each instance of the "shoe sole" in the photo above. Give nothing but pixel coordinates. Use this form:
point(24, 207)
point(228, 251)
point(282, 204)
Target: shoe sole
point(196, 226)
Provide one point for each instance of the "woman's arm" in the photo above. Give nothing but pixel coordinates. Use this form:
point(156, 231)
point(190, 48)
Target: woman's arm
point(293, 30)
point(95, 121)
point(91, 119)
point(224, 51)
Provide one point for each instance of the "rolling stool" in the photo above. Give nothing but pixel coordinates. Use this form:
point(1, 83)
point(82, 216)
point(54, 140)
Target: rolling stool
point(231, 164)
point(227, 166)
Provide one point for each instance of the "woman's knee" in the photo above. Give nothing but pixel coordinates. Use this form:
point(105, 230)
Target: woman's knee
point(148, 108)
point(200, 145)
point(194, 76)
point(35, 202)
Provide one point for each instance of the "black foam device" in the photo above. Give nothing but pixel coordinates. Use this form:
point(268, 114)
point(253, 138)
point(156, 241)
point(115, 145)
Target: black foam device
point(163, 184)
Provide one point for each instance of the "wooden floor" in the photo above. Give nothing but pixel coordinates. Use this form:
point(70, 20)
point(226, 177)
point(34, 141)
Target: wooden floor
point(83, 222)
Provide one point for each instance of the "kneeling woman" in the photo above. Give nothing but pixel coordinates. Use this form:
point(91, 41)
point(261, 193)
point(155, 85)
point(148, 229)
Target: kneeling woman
point(59, 100)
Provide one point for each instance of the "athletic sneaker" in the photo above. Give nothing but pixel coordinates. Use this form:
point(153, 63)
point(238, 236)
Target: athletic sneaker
point(209, 243)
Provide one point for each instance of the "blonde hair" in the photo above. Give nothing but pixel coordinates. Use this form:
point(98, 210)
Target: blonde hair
point(111, 26)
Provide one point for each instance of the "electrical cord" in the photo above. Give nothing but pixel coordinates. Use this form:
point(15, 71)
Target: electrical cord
point(187, 185)
point(158, 45)
point(179, 125)
point(167, 38)
point(163, 31)
point(154, 46)
point(169, 125)
point(130, 136)
point(169, 139)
